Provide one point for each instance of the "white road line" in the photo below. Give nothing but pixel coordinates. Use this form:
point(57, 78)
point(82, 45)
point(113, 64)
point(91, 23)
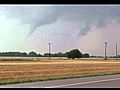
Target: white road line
point(83, 83)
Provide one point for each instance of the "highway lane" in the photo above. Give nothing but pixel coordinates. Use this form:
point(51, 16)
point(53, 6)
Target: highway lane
point(109, 81)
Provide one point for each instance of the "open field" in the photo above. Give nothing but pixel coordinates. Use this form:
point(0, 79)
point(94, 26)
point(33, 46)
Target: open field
point(42, 69)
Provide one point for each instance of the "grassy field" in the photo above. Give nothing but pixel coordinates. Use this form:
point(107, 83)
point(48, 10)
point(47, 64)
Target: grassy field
point(26, 69)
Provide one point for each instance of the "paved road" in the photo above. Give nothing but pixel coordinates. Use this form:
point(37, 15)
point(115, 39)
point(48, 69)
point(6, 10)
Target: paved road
point(111, 81)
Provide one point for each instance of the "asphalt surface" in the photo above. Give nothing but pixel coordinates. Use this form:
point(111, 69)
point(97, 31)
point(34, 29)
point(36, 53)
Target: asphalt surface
point(109, 81)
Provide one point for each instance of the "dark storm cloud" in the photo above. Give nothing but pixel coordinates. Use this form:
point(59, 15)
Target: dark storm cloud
point(38, 16)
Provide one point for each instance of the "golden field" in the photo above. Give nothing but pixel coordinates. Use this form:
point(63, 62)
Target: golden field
point(43, 69)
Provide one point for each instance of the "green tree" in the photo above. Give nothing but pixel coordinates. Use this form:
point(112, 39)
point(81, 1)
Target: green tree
point(32, 53)
point(75, 53)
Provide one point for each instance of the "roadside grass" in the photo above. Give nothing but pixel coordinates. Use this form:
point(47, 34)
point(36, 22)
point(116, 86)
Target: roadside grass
point(35, 79)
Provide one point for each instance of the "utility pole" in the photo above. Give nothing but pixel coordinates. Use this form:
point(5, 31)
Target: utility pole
point(105, 50)
point(116, 51)
point(49, 49)
point(61, 55)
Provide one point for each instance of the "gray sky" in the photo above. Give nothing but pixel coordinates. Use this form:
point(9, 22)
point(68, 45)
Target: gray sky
point(27, 28)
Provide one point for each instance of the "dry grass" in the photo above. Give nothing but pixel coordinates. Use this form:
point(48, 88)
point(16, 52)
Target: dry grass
point(16, 71)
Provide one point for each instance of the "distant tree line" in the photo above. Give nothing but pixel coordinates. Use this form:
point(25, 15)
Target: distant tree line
point(22, 54)
point(71, 54)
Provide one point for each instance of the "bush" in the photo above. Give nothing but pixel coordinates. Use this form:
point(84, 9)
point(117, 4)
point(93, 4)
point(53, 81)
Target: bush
point(86, 55)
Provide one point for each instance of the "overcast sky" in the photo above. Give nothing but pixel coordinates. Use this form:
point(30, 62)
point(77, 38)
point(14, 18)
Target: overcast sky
point(31, 28)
